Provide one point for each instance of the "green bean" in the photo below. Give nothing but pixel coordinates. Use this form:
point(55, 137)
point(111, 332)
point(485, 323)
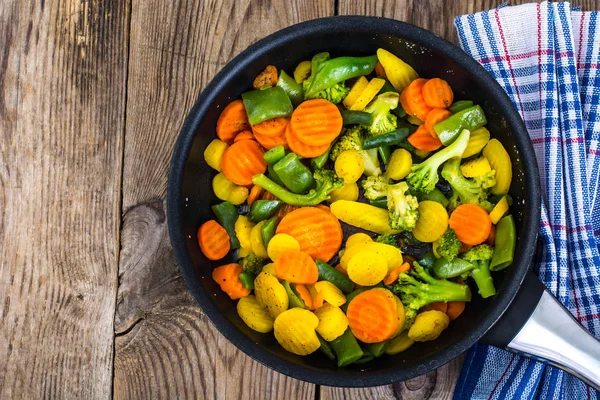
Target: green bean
point(330, 274)
point(387, 139)
point(356, 117)
point(381, 203)
point(346, 349)
point(377, 349)
point(506, 240)
point(450, 269)
point(247, 280)
point(275, 154)
point(326, 348)
point(268, 229)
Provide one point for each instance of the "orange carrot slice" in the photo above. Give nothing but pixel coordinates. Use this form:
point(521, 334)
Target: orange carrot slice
point(228, 278)
point(296, 266)
point(213, 240)
point(242, 160)
point(316, 122)
point(392, 276)
point(305, 296)
point(233, 119)
point(271, 128)
point(437, 93)
point(423, 140)
point(243, 135)
point(433, 117)
point(300, 148)
point(255, 193)
point(268, 142)
point(372, 316)
point(413, 98)
point(471, 223)
point(455, 308)
point(318, 232)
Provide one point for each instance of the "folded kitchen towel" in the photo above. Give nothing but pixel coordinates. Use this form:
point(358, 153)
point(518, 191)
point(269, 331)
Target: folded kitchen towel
point(546, 56)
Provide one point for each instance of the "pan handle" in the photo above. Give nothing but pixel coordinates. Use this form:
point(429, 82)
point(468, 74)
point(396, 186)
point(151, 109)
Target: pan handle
point(537, 326)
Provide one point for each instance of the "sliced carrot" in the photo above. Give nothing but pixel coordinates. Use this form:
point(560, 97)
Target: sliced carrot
point(319, 232)
point(213, 240)
point(379, 70)
point(433, 117)
point(316, 122)
point(233, 119)
point(323, 207)
point(242, 160)
point(296, 266)
point(437, 306)
point(266, 78)
point(414, 99)
point(437, 93)
point(423, 140)
point(471, 224)
point(392, 276)
point(300, 148)
point(404, 103)
point(228, 278)
point(455, 308)
point(255, 193)
point(271, 127)
point(342, 270)
point(491, 239)
point(305, 296)
point(243, 135)
point(268, 142)
point(372, 316)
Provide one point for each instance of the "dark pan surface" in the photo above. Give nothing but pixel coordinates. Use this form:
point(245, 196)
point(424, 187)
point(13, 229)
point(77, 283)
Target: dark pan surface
point(190, 195)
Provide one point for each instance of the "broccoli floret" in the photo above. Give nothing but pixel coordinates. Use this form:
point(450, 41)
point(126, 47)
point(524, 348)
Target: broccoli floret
point(350, 139)
point(449, 245)
point(424, 176)
point(403, 208)
point(252, 264)
point(486, 180)
point(465, 191)
point(375, 187)
point(388, 238)
point(327, 181)
point(417, 289)
point(480, 256)
point(371, 159)
point(381, 110)
point(334, 94)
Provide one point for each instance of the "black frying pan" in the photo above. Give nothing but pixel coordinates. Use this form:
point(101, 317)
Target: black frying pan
point(523, 326)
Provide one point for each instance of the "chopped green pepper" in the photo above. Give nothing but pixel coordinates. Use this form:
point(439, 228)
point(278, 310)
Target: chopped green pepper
point(506, 240)
point(227, 214)
point(469, 118)
point(381, 203)
point(356, 117)
point(247, 280)
point(268, 229)
point(295, 300)
point(319, 161)
point(387, 139)
point(273, 174)
point(326, 348)
point(346, 348)
point(265, 104)
point(337, 70)
point(460, 105)
point(275, 154)
point(450, 269)
point(292, 89)
point(263, 209)
point(330, 274)
point(377, 349)
point(295, 175)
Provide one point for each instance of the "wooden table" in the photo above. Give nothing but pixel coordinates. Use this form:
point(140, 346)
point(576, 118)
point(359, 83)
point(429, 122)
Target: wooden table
point(92, 97)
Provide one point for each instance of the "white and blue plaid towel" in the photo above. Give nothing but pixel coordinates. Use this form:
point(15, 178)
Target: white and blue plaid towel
point(546, 56)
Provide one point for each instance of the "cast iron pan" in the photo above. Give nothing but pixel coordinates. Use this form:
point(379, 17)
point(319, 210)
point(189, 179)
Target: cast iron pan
point(190, 195)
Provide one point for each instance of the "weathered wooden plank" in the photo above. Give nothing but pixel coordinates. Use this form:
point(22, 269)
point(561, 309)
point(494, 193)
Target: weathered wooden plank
point(62, 108)
point(164, 346)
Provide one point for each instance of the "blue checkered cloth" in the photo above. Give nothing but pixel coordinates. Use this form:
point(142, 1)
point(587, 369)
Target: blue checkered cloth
point(546, 57)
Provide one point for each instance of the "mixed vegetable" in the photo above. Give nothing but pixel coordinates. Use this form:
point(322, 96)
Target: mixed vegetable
point(359, 200)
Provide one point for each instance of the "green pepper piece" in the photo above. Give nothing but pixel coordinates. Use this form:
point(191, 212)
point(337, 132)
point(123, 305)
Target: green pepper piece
point(394, 137)
point(381, 203)
point(317, 63)
point(356, 117)
point(330, 274)
point(275, 154)
point(460, 105)
point(435, 195)
point(273, 175)
point(377, 349)
point(338, 70)
point(295, 175)
point(506, 240)
point(469, 118)
point(450, 269)
point(366, 357)
point(428, 260)
point(227, 214)
point(351, 296)
point(247, 280)
point(268, 229)
point(265, 104)
point(263, 209)
point(319, 162)
point(326, 348)
point(346, 348)
point(292, 89)
point(295, 300)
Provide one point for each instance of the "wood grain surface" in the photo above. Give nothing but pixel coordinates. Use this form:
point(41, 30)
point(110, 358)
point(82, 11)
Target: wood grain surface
point(92, 97)
point(62, 107)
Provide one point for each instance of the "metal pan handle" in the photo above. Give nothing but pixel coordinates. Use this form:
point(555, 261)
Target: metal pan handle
point(537, 326)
